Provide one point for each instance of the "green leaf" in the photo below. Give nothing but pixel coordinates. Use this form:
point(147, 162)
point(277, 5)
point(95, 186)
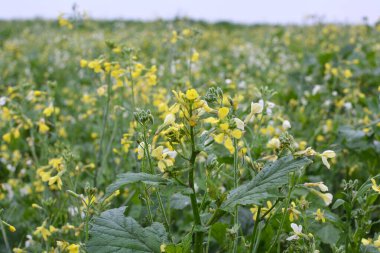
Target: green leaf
point(113, 232)
point(272, 176)
point(338, 203)
point(219, 231)
point(172, 248)
point(329, 234)
point(129, 178)
point(179, 201)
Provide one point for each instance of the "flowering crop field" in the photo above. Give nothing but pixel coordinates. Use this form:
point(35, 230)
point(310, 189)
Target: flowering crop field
point(184, 136)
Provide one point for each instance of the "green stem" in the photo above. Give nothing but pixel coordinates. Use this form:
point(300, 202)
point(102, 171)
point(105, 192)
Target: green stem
point(348, 221)
point(236, 212)
point(104, 125)
point(147, 200)
point(132, 84)
point(5, 237)
point(283, 217)
point(257, 241)
point(253, 237)
point(161, 206)
point(198, 240)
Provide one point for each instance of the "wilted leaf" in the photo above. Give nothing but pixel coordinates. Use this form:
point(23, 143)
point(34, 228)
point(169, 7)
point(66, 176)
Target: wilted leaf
point(113, 232)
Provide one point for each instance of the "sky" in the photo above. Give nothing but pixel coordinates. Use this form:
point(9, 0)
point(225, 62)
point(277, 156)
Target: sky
point(238, 11)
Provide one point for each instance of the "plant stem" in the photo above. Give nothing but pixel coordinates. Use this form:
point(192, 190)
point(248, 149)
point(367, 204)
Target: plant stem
point(253, 237)
point(236, 212)
point(5, 237)
point(198, 241)
point(283, 216)
point(104, 125)
point(161, 206)
point(147, 199)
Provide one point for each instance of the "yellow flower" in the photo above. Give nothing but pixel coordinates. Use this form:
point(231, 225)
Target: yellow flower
point(42, 127)
point(191, 94)
point(163, 248)
point(83, 63)
point(293, 212)
point(12, 228)
point(377, 242)
point(366, 242)
point(325, 155)
point(41, 230)
point(56, 179)
point(223, 112)
point(195, 56)
point(48, 111)
point(320, 215)
point(36, 206)
point(18, 250)
point(165, 158)
point(375, 187)
point(347, 73)
point(73, 248)
point(173, 39)
point(7, 137)
point(56, 163)
point(255, 209)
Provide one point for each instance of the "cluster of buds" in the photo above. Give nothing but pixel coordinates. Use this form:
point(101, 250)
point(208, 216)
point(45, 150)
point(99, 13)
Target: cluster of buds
point(144, 117)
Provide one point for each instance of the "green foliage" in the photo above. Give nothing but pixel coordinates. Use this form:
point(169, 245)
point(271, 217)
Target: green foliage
point(113, 232)
point(260, 189)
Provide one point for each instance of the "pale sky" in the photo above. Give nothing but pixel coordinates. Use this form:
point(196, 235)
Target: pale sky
point(241, 11)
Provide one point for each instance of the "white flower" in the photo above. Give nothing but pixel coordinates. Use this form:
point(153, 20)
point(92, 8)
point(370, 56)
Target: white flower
point(297, 230)
point(326, 197)
point(274, 143)
point(286, 124)
point(256, 108)
point(239, 124)
point(169, 119)
point(348, 106)
point(325, 155)
point(3, 101)
point(320, 185)
point(316, 89)
point(307, 152)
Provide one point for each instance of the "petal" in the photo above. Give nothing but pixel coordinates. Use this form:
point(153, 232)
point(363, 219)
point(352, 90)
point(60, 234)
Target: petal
point(236, 133)
point(223, 112)
point(219, 138)
point(293, 237)
point(325, 162)
point(256, 108)
point(329, 154)
point(229, 145)
point(211, 120)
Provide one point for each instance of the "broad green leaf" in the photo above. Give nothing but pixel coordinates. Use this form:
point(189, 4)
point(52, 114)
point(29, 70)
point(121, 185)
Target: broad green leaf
point(219, 232)
point(129, 178)
point(179, 201)
point(113, 232)
point(328, 234)
point(270, 177)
